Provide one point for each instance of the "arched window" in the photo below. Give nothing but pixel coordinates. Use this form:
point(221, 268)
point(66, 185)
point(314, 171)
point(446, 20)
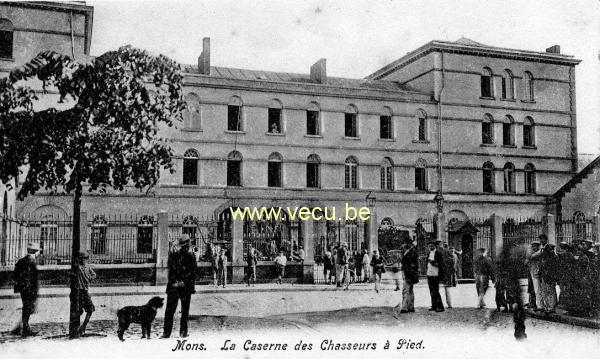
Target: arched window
point(529, 86)
point(145, 234)
point(387, 222)
point(234, 169)
point(313, 173)
point(580, 225)
point(274, 121)
point(488, 177)
point(350, 121)
point(274, 170)
point(529, 173)
point(508, 85)
point(387, 174)
point(487, 83)
point(190, 167)
point(528, 132)
point(234, 114)
point(508, 131)
point(421, 175)
point(6, 39)
point(487, 129)
point(351, 173)
point(422, 123)
point(313, 119)
point(192, 115)
point(385, 124)
point(98, 235)
point(190, 227)
point(509, 178)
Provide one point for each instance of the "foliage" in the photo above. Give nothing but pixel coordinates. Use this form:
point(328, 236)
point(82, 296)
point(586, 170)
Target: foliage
point(104, 129)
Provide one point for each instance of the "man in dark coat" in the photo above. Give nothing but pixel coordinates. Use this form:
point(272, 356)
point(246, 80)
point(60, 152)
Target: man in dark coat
point(484, 271)
point(410, 268)
point(180, 286)
point(548, 278)
point(512, 264)
point(25, 279)
point(449, 279)
point(435, 271)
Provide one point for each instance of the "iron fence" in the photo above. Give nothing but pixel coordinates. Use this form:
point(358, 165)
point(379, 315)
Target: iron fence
point(485, 235)
point(207, 235)
point(576, 229)
point(521, 231)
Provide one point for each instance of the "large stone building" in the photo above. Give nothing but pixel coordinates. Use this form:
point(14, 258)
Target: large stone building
point(254, 138)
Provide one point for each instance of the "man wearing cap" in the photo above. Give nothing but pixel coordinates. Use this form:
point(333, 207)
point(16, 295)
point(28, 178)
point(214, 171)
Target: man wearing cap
point(25, 278)
point(484, 271)
point(435, 271)
point(84, 276)
point(180, 286)
point(533, 262)
point(449, 278)
point(410, 269)
point(341, 264)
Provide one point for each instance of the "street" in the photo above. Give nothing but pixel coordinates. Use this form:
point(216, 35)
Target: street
point(308, 313)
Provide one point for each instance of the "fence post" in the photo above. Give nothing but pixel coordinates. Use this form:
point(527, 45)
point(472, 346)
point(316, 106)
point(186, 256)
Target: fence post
point(372, 228)
point(309, 251)
point(497, 237)
point(550, 228)
point(162, 249)
point(237, 250)
point(83, 237)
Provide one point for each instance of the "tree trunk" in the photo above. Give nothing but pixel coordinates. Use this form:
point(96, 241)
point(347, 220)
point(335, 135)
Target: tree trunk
point(74, 321)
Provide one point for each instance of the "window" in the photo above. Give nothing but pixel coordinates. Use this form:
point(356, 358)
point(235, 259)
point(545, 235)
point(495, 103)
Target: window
point(421, 175)
point(312, 120)
point(6, 39)
point(488, 177)
point(98, 235)
point(508, 85)
point(422, 122)
point(509, 178)
point(385, 124)
point(487, 130)
point(48, 235)
point(234, 169)
point(191, 116)
point(190, 167)
point(234, 114)
point(529, 178)
point(274, 170)
point(350, 126)
point(351, 173)
point(529, 88)
point(387, 175)
point(487, 80)
point(274, 125)
point(580, 225)
point(508, 131)
point(313, 172)
point(145, 234)
point(528, 132)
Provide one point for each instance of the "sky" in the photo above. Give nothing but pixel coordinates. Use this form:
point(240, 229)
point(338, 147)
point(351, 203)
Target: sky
point(356, 37)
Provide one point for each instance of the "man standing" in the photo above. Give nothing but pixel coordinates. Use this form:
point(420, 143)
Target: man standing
point(435, 271)
point(410, 268)
point(180, 286)
point(280, 263)
point(366, 264)
point(548, 278)
point(484, 271)
point(341, 265)
point(25, 278)
point(222, 268)
point(533, 262)
point(449, 278)
point(252, 260)
point(84, 277)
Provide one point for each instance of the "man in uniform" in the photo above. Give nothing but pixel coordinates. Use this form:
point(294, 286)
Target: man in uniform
point(84, 277)
point(180, 286)
point(449, 278)
point(435, 271)
point(341, 264)
point(25, 278)
point(410, 269)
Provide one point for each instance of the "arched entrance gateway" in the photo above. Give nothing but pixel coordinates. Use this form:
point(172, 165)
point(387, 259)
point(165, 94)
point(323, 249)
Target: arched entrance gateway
point(462, 235)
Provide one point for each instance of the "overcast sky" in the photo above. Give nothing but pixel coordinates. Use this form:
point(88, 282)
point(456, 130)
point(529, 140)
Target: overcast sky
point(356, 37)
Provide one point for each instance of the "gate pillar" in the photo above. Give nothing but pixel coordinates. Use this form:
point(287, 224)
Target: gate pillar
point(237, 250)
point(309, 251)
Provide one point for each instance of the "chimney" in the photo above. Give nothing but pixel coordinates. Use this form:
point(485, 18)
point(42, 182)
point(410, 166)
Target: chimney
point(204, 59)
point(553, 49)
point(318, 71)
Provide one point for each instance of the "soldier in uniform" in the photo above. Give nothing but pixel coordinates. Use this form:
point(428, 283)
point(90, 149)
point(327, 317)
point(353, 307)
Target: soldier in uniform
point(180, 286)
point(25, 278)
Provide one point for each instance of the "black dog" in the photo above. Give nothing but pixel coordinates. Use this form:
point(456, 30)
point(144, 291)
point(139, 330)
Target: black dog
point(143, 315)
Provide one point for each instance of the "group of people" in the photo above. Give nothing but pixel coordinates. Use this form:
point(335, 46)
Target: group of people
point(342, 266)
point(574, 268)
point(25, 278)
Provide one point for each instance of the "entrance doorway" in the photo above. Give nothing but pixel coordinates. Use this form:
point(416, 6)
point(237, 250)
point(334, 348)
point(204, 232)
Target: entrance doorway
point(467, 256)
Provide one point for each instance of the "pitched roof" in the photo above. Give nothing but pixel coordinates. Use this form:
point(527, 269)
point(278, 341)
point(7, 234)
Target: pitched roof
point(466, 41)
point(580, 176)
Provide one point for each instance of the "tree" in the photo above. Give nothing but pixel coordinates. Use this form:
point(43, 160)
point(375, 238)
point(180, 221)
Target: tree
point(108, 138)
